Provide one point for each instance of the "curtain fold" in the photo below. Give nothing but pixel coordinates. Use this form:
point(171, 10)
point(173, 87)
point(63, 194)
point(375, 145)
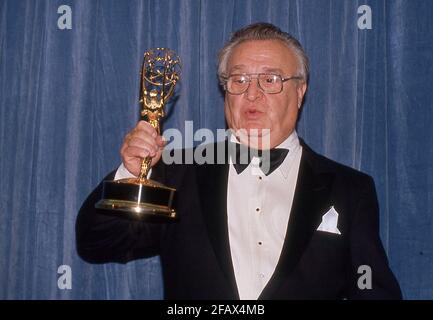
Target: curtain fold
point(67, 98)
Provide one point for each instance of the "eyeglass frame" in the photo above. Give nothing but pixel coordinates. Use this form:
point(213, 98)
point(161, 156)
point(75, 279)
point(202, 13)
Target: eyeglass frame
point(226, 78)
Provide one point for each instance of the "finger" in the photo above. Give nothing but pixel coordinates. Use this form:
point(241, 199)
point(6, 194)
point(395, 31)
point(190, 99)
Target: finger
point(160, 141)
point(147, 143)
point(126, 139)
point(131, 153)
point(140, 133)
point(146, 127)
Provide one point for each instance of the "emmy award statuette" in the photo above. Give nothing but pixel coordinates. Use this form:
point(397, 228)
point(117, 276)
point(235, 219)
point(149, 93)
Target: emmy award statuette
point(142, 198)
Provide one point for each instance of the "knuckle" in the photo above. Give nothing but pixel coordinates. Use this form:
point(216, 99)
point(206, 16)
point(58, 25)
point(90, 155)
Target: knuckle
point(144, 125)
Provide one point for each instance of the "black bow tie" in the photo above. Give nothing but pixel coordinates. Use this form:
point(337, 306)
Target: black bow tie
point(270, 160)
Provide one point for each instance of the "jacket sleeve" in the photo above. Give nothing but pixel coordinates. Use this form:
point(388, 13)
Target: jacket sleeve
point(102, 236)
point(370, 275)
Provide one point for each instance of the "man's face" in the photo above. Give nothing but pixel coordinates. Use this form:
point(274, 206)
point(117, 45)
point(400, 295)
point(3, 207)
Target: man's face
point(255, 109)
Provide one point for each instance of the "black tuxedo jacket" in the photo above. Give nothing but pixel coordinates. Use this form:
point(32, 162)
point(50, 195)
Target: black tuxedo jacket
point(195, 253)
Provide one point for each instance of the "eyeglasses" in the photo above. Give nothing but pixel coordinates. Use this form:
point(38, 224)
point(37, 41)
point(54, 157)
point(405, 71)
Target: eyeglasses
point(268, 83)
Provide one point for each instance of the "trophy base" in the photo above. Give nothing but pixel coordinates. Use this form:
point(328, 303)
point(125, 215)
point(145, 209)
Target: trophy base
point(142, 200)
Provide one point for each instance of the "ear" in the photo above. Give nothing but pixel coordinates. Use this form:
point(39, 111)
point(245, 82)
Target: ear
point(301, 89)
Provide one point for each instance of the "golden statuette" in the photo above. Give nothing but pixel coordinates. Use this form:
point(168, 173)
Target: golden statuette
point(140, 197)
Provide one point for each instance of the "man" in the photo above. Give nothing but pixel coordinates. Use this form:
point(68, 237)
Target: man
point(302, 229)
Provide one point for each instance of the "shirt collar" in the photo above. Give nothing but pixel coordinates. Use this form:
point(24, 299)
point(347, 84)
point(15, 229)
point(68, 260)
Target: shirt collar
point(291, 143)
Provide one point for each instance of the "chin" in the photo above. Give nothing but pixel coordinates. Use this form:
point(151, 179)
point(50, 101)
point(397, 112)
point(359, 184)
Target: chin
point(257, 131)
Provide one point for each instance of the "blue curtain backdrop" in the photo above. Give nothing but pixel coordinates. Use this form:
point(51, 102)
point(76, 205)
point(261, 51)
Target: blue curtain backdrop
point(67, 98)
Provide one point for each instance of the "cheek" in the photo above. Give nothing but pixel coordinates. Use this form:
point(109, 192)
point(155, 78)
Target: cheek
point(284, 112)
point(291, 115)
point(230, 111)
point(231, 107)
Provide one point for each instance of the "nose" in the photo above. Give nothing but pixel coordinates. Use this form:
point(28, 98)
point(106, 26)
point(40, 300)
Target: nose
point(253, 92)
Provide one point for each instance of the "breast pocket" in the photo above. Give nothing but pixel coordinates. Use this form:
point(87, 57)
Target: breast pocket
point(326, 249)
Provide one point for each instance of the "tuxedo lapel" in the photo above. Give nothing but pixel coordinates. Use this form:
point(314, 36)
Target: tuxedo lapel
point(311, 198)
point(212, 182)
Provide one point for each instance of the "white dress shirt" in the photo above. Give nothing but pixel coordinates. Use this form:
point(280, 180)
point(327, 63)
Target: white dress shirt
point(258, 210)
point(123, 173)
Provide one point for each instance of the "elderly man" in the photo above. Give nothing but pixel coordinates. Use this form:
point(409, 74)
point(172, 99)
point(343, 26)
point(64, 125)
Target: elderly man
point(303, 228)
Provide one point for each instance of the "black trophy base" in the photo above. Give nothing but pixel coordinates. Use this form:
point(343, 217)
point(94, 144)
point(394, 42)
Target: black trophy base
point(143, 200)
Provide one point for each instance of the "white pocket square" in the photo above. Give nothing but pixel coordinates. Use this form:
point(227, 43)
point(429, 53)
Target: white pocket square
point(329, 222)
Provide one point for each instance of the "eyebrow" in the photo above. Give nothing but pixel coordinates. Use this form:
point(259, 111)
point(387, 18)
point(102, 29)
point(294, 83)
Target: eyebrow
point(265, 70)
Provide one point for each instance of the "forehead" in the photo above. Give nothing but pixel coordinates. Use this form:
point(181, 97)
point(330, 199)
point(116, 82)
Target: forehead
point(262, 56)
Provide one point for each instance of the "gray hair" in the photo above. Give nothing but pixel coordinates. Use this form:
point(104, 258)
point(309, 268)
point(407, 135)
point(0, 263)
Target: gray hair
point(262, 31)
